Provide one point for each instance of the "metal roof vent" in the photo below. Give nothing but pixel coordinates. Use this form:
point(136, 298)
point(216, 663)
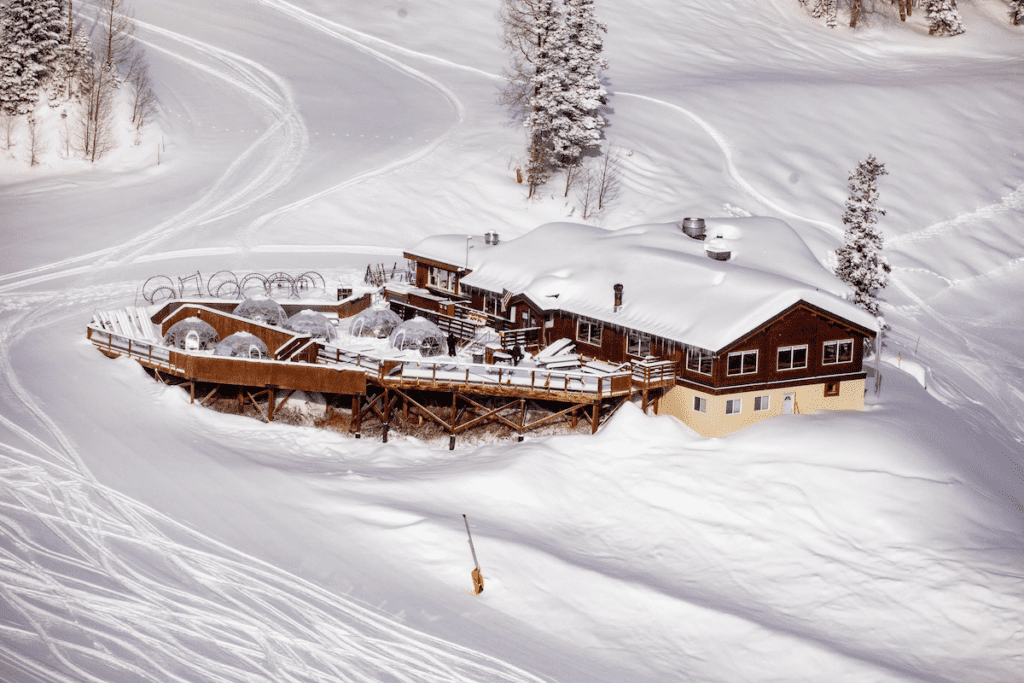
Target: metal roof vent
point(487, 238)
point(490, 238)
point(494, 238)
point(694, 227)
point(718, 249)
point(618, 297)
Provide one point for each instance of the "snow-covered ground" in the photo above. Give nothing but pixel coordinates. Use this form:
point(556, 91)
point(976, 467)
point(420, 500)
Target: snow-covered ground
point(144, 539)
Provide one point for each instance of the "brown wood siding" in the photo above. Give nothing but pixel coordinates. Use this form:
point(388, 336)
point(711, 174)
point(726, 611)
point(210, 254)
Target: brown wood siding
point(227, 324)
point(251, 373)
point(343, 310)
point(799, 326)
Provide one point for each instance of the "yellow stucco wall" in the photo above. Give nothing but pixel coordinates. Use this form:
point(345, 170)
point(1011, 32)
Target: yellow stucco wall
point(678, 402)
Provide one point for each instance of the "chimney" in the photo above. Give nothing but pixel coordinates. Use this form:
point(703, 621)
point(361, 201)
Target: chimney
point(618, 297)
point(694, 227)
point(494, 238)
point(487, 238)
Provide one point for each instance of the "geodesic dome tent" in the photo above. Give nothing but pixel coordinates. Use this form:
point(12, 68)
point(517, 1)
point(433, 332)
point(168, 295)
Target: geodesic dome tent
point(418, 333)
point(192, 334)
point(312, 323)
point(242, 345)
point(260, 309)
point(376, 322)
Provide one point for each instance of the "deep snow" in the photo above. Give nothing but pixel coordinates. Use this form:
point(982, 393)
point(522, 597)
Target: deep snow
point(145, 539)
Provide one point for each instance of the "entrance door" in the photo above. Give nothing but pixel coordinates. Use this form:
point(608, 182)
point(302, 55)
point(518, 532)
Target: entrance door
point(787, 403)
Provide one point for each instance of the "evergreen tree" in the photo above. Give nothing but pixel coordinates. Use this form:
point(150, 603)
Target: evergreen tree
point(33, 35)
point(584, 67)
point(1016, 11)
point(547, 121)
point(943, 18)
point(860, 262)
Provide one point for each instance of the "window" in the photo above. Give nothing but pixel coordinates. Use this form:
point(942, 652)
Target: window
point(442, 279)
point(734, 406)
point(698, 361)
point(831, 388)
point(837, 352)
point(742, 363)
point(638, 344)
point(792, 357)
point(761, 403)
point(588, 332)
point(700, 404)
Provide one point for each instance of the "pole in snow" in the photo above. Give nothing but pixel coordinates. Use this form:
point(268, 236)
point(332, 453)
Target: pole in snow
point(478, 578)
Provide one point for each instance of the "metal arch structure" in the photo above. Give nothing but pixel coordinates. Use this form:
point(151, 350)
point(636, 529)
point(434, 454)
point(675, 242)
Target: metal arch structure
point(248, 281)
point(282, 280)
point(308, 280)
point(159, 284)
point(224, 285)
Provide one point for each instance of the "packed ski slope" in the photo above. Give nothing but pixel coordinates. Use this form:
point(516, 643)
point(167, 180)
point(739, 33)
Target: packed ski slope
point(144, 539)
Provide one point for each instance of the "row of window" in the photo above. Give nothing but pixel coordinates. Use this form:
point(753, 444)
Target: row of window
point(738, 363)
point(637, 343)
point(789, 358)
point(734, 406)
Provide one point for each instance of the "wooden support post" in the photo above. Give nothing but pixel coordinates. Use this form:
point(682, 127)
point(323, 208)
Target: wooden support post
point(453, 417)
point(657, 399)
point(405, 410)
point(575, 418)
point(357, 415)
point(203, 402)
point(643, 401)
point(522, 417)
point(192, 390)
point(593, 420)
point(271, 400)
point(241, 400)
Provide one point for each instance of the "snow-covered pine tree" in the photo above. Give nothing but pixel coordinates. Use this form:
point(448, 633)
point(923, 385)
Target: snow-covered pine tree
point(832, 14)
point(860, 263)
point(943, 18)
point(21, 71)
point(1016, 11)
point(548, 121)
point(584, 66)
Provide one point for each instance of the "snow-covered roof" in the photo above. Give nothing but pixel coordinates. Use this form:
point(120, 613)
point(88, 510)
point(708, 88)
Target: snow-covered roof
point(672, 289)
point(451, 249)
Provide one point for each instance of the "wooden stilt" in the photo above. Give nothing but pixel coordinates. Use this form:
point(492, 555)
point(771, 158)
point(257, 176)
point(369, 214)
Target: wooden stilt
point(575, 418)
point(191, 391)
point(271, 399)
point(203, 402)
point(454, 396)
point(357, 415)
point(240, 399)
point(643, 402)
point(593, 420)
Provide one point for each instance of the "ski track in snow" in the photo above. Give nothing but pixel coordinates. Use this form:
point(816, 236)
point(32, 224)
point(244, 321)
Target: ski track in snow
point(236, 189)
point(733, 174)
point(95, 579)
point(352, 37)
point(94, 586)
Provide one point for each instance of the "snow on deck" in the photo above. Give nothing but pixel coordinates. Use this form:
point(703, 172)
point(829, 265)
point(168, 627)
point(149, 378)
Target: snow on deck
point(672, 289)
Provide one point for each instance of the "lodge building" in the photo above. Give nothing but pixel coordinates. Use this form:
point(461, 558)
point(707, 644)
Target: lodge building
point(752, 324)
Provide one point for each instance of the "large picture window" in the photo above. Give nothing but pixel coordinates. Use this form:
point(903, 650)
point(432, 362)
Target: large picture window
point(588, 332)
point(697, 361)
point(742, 363)
point(442, 279)
point(837, 352)
point(792, 357)
point(638, 344)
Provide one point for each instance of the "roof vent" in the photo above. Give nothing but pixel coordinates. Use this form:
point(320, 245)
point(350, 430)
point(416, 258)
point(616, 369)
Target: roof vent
point(618, 297)
point(694, 227)
point(490, 238)
point(494, 238)
point(487, 238)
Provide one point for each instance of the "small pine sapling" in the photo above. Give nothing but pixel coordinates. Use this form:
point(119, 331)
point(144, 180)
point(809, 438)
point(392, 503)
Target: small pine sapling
point(860, 263)
point(943, 18)
point(1016, 11)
